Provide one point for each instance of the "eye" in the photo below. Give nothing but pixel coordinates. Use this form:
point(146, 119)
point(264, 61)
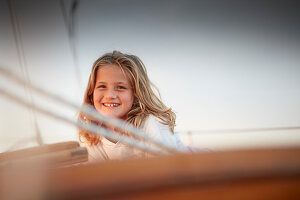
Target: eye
point(120, 87)
point(101, 86)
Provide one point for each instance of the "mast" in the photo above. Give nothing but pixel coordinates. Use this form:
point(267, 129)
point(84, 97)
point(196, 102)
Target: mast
point(23, 65)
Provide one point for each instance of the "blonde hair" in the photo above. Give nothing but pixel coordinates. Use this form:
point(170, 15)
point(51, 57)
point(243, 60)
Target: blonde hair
point(146, 102)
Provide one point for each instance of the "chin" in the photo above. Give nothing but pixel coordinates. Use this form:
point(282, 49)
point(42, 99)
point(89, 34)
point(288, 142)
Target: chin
point(110, 115)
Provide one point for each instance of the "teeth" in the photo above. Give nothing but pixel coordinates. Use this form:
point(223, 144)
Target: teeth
point(111, 105)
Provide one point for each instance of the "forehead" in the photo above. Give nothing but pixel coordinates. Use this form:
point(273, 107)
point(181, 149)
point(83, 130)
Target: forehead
point(112, 73)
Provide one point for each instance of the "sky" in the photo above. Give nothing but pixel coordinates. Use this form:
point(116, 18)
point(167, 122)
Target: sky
point(219, 64)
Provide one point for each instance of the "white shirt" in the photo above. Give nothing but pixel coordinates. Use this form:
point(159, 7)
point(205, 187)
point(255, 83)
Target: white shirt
point(112, 151)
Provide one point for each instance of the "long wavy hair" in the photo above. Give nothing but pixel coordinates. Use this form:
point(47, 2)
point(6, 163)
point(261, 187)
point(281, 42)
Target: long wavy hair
point(145, 102)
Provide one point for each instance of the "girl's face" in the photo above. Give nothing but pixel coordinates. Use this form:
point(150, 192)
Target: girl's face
point(113, 95)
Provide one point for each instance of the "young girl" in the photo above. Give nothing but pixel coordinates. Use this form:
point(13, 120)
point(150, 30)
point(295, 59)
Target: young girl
point(119, 87)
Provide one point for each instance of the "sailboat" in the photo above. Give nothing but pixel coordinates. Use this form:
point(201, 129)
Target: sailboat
point(62, 171)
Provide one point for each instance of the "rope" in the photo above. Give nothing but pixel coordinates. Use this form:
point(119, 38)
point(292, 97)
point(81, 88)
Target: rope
point(88, 127)
point(23, 63)
point(89, 110)
point(244, 130)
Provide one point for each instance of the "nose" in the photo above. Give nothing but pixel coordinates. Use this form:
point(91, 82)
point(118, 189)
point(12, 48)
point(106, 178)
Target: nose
point(111, 93)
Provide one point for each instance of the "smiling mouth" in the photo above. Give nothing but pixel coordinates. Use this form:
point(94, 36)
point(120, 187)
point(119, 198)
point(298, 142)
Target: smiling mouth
point(111, 104)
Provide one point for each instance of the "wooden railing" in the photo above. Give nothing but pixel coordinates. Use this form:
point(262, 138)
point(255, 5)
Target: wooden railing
point(244, 174)
point(51, 155)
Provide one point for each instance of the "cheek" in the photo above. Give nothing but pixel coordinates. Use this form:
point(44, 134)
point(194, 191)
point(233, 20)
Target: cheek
point(96, 96)
point(129, 99)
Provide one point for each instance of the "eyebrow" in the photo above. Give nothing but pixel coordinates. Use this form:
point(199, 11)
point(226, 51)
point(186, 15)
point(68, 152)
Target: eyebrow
point(122, 83)
point(101, 82)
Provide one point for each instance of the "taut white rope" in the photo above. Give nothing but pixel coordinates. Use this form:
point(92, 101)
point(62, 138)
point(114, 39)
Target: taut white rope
point(200, 132)
point(89, 127)
point(89, 110)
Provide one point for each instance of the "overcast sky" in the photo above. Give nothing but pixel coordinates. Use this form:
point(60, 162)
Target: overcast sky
point(218, 64)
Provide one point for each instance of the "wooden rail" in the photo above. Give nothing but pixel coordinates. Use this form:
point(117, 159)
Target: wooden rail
point(50, 155)
point(46, 148)
point(245, 174)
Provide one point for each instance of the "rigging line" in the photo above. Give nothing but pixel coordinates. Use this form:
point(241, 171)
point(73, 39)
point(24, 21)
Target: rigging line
point(70, 24)
point(62, 6)
point(88, 127)
point(23, 63)
point(90, 111)
point(244, 130)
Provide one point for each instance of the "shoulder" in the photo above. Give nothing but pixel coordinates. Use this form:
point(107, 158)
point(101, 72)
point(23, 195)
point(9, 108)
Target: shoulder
point(150, 119)
point(153, 123)
point(156, 129)
point(153, 120)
